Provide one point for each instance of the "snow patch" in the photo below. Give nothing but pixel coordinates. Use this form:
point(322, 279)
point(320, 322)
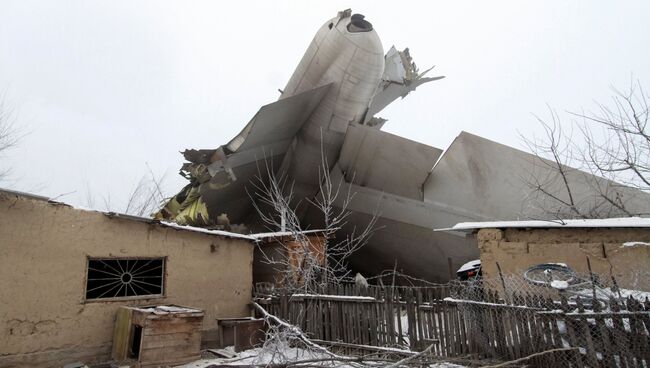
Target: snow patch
point(166, 309)
point(206, 231)
point(259, 356)
point(470, 265)
point(634, 244)
point(578, 223)
point(333, 297)
point(559, 264)
point(559, 284)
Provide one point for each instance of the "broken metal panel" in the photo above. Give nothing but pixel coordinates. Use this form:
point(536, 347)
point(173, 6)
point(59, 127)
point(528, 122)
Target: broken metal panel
point(386, 162)
point(394, 70)
point(278, 121)
point(266, 138)
point(234, 200)
point(401, 76)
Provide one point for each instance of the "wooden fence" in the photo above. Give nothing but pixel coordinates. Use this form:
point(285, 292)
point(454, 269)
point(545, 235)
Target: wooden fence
point(582, 333)
point(370, 316)
point(614, 337)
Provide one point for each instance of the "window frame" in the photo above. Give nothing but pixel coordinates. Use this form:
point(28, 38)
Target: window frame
point(163, 287)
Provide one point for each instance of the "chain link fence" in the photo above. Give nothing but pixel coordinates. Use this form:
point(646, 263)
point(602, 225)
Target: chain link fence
point(549, 315)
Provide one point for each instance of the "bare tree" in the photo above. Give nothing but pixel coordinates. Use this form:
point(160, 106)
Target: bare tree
point(145, 198)
point(602, 170)
point(316, 262)
point(10, 134)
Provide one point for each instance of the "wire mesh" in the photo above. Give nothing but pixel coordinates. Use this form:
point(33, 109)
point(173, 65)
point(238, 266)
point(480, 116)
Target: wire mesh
point(548, 318)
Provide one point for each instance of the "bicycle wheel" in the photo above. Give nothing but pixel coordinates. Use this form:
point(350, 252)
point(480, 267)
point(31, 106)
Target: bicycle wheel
point(544, 274)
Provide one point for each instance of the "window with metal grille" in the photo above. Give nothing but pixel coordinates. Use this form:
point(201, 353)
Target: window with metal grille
point(124, 277)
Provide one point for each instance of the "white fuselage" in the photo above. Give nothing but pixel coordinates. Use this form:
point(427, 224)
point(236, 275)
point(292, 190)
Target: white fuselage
point(354, 63)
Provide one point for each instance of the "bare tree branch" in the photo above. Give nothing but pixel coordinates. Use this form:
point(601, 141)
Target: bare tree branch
point(310, 266)
point(613, 147)
point(10, 133)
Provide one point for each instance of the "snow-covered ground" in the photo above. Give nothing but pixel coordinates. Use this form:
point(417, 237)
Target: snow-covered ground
point(258, 356)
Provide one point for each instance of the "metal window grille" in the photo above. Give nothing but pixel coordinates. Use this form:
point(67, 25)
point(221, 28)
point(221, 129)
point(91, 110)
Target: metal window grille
point(109, 278)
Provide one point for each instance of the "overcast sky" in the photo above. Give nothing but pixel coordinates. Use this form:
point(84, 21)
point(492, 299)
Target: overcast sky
point(105, 88)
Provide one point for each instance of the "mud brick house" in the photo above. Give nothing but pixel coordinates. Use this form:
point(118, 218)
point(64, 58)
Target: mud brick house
point(64, 273)
point(618, 247)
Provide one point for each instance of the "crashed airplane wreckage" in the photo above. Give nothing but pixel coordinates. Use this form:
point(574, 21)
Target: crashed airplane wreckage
point(328, 108)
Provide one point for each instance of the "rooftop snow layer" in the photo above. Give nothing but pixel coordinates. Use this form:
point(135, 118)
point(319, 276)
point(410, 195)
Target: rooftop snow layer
point(621, 222)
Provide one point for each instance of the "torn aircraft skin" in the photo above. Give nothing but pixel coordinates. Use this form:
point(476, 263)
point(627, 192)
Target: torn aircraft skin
point(343, 79)
point(330, 105)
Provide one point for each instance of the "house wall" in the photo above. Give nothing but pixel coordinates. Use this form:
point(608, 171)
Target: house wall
point(44, 319)
point(518, 249)
point(274, 260)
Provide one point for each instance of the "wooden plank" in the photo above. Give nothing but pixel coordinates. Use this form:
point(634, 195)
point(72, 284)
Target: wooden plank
point(158, 327)
point(367, 327)
point(508, 334)
point(358, 319)
point(327, 329)
point(345, 324)
point(462, 335)
point(411, 320)
point(389, 317)
point(591, 356)
point(190, 340)
point(122, 334)
point(436, 328)
point(573, 340)
point(447, 330)
point(636, 336)
point(608, 347)
point(379, 310)
point(334, 321)
point(544, 339)
point(400, 330)
point(166, 355)
point(420, 327)
point(372, 325)
point(620, 336)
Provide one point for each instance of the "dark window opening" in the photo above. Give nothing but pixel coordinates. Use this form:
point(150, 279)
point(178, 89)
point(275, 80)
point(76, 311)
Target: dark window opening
point(124, 277)
point(136, 338)
point(331, 25)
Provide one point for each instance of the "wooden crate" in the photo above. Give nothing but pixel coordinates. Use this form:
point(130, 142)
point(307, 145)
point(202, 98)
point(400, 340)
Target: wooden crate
point(242, 333)
point(157, 335)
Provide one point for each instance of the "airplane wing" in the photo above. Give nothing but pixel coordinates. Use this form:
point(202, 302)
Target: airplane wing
point(219, 177)
point(386, 162)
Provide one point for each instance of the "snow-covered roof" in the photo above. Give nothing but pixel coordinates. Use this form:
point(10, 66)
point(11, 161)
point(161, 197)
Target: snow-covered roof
point(173, 225)
point(206, 231)
point(620, 222)
point(279, 234)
